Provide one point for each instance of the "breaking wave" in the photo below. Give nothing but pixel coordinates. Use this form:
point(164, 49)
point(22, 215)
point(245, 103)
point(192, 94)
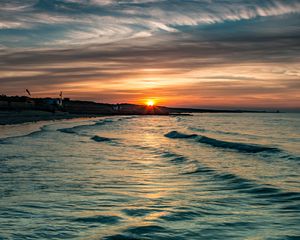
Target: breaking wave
point(76, 129)
point(241, 147)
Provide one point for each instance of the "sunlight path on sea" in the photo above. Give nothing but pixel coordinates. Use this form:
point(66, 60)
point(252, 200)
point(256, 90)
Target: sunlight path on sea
point(122, 178)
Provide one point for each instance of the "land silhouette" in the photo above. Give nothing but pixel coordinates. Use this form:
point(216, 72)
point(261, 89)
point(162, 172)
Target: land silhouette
point(20, 109)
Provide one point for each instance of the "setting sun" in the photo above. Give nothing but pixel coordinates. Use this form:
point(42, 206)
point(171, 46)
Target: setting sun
point(150, 103)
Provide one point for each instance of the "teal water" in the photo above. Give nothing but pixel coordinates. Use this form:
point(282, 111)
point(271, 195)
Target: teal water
point(207, 176)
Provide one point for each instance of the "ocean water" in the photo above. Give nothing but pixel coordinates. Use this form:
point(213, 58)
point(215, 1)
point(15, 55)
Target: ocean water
point(207, 176)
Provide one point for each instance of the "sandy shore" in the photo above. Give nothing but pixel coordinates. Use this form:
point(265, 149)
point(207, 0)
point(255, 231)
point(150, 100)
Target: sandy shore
point(13, 117)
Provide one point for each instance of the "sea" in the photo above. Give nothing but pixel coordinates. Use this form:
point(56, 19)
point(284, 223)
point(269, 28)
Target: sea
point(205, 176)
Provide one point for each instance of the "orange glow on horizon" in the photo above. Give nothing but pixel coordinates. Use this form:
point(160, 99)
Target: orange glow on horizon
point(150, 103)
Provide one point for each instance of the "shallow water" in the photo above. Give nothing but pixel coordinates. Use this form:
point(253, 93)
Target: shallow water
point(207, 176)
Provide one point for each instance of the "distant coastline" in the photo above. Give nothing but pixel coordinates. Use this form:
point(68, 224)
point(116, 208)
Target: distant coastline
point(22, 109)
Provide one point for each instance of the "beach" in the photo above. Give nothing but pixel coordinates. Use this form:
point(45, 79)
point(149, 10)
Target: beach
point(19, 117)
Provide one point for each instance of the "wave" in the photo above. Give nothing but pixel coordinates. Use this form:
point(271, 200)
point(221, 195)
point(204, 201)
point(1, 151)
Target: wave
point(230, 181)
point(31, 134)
point(101, 139)
point(102, 122)
point(291, 157)
point(75, 129)
point(241, 147)
point(67, 130)
point(181, 216)
point(256, 190)
point(139, 212)
point(202, 130)
point(141, 232)
point(174, 157)
point(175, 134)
point(101, 219)
point(225, 181)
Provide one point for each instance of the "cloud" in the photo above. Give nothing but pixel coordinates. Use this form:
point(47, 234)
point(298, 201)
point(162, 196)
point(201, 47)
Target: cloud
point(200, 49)
point(103, 20)
point(185, 57)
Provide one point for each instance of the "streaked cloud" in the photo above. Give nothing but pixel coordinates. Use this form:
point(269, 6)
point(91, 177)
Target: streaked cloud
point(206, 52)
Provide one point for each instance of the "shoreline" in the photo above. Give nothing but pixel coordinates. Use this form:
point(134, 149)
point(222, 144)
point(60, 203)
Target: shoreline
point(8, 118)
point(28, 127)
point(14, 118)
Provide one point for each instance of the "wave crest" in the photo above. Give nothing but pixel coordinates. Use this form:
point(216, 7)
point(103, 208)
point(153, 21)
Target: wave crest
point(241, 147)
point(175, 134)
point(37, 132)
point(101, 139)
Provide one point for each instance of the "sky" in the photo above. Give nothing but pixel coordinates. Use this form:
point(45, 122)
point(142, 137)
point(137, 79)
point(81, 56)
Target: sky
point(184, 53)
